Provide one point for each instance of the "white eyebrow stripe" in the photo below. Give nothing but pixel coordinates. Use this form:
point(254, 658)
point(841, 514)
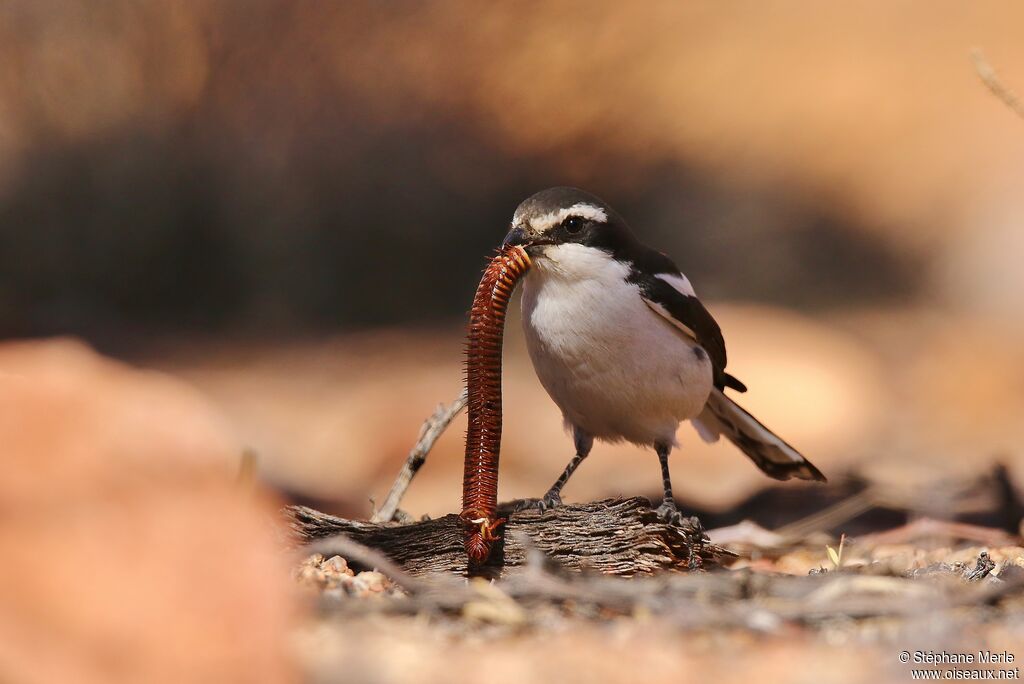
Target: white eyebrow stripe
point(582, 209)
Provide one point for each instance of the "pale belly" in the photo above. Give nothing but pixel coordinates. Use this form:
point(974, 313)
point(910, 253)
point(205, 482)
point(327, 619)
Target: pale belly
point(615, 368)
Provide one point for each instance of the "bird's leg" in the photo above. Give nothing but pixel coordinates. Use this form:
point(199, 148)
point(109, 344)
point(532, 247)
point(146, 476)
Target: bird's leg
point(553, 498)
point(668, 511)
point(584, 443)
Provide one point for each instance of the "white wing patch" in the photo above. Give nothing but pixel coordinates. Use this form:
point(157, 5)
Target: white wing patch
point(547, 221)
point(681, 284)
point(663, 312)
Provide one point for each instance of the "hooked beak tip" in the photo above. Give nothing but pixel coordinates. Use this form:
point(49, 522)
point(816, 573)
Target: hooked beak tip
point(516, 237)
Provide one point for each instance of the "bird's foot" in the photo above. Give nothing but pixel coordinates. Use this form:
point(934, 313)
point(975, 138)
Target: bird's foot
point(551, 500)
point(669, 514)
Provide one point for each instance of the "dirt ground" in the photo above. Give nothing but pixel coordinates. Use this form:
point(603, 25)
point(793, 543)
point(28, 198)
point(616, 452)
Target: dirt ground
point(136, 525)
point(883, 399)
point(764, 618)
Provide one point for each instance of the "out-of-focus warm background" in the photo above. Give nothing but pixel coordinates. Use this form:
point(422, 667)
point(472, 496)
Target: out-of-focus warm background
point(272, 215)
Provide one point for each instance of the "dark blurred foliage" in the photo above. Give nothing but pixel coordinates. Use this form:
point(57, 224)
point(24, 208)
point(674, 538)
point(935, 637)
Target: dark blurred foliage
point(279, 197)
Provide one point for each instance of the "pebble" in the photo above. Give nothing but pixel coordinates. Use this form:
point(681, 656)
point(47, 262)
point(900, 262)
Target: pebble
point(334, 578)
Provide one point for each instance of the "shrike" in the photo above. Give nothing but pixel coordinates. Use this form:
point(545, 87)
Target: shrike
point(622, 344)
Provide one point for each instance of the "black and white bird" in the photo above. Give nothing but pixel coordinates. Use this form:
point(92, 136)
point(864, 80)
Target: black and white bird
point(623, 345)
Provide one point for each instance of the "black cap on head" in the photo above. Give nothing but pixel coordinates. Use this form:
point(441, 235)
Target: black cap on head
point(556, 199)
point(563, 215)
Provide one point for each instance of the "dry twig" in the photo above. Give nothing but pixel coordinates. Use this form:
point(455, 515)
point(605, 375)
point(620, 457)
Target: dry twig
point(991, 79)
point(433, 428)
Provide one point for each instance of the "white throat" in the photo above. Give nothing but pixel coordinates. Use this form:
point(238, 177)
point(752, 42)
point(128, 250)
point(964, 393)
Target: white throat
point(573, 261)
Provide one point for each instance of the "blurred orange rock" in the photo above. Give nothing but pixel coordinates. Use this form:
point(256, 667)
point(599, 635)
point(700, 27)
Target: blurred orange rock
point(128, 552)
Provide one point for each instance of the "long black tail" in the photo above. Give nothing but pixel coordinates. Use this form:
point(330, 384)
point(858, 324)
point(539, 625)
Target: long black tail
point(723, 416)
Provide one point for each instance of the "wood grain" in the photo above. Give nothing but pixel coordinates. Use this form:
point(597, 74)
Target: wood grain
point(614, 536)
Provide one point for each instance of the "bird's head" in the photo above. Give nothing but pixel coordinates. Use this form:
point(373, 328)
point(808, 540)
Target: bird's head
point(563, 216)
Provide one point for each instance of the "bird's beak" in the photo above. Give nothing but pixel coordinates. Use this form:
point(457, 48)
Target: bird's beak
point(525, 238)
point(517, 236)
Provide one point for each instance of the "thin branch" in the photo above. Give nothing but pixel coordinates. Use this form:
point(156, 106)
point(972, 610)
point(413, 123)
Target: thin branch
point(990, 78)
point(433, 428)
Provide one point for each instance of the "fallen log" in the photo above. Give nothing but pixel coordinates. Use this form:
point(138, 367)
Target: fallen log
point(621, 537)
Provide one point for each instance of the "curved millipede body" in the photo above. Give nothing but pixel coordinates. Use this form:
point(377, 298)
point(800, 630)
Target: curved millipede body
point(483, 383)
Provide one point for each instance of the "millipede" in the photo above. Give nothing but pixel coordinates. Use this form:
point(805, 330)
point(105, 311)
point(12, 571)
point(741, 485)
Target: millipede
point(483, 385)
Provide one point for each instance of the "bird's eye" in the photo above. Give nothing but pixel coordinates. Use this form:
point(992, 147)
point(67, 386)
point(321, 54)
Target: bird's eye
point(573, 224)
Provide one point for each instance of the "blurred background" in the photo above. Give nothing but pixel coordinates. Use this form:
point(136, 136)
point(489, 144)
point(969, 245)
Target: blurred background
point(257, 226)
point(288, 204)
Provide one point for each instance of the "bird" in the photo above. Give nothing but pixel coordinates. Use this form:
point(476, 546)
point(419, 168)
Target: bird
point(623, 346)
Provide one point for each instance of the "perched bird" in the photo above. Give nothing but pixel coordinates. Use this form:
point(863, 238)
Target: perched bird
point(623, 346)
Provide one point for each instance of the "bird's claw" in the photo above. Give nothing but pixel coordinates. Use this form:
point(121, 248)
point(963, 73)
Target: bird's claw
point(550, 500)
point(669, 514)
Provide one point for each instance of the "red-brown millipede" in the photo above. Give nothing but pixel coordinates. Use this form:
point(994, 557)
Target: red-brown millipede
point(483, 384)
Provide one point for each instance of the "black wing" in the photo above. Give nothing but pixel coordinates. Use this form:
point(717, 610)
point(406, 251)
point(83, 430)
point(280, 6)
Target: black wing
point(688, 314)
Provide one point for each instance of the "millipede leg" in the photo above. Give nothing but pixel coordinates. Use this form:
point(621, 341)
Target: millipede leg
point(483, 387)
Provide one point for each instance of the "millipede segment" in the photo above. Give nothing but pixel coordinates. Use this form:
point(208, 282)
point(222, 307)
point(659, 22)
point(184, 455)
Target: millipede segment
point(483, 384)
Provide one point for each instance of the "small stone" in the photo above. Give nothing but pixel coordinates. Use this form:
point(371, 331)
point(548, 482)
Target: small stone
point(306, 574)
point(369, 583)
point(337, 572)
point(336, 565)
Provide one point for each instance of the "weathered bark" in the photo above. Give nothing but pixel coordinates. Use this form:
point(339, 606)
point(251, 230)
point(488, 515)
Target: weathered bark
point(614, 536)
